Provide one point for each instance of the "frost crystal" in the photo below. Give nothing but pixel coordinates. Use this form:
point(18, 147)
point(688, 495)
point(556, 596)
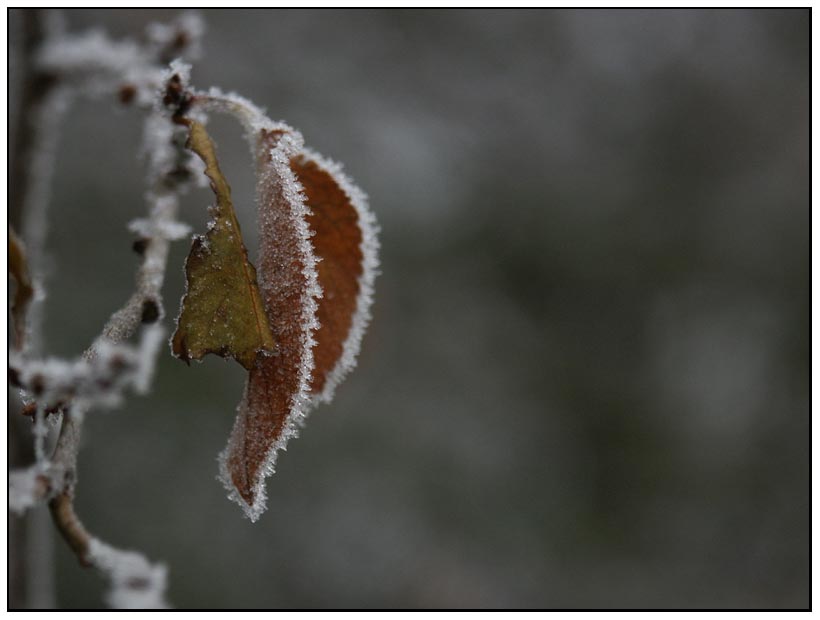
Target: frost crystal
point(180, 68)
point(135, 582)
point(97, 65)
point(185, 30)
point(150, 228)
point(24, 489)
point(98, 381)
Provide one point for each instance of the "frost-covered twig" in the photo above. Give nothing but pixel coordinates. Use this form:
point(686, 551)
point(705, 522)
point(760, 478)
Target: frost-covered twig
point(95, 381)
point(43, 104)
point(30, 565)
point(154, 234)
point(91, 64)
point(134, 581)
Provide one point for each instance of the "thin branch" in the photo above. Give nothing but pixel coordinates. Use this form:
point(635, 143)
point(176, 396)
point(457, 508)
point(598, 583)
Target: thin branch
point(61, 505)
point(35, 87)
point(30, 576)
point(69, 526)
point(144, 306)
point(94, 64)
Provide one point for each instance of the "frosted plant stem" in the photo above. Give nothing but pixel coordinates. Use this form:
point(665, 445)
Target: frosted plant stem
point(31, 580)
point(62, 504)
point(127, 572)
point(69, 525)
point(34, 88)
point(43, 104)
point(134, 581)
point(48, 115)
point(145, 304)
point(163, 206)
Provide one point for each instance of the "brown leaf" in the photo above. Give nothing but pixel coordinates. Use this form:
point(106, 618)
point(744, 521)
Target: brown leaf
point(222, 311)
point(276, 394)
point(344, 239)
point(328, 221)
point(18, 268)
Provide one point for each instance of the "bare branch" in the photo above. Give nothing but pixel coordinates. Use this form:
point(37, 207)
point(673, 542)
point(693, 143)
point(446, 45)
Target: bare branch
point(69, 526)
point(59, 66)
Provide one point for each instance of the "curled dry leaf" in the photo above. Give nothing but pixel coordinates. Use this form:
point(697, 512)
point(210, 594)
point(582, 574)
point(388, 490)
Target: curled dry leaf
point(318, 257)
point(344, 240)
point(18, 268)
point(222, 310)
point(276, 394)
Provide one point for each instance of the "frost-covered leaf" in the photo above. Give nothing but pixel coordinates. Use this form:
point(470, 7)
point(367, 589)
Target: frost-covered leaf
point(345, 242)
point(18, 268)
point(222, 311)
point(276, 394)
point(317, 264)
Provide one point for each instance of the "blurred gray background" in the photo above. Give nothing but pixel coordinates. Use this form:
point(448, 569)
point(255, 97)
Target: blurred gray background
point(587, 379)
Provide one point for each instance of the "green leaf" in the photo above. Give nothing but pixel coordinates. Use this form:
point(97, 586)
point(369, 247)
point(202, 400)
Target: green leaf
point(222, 312)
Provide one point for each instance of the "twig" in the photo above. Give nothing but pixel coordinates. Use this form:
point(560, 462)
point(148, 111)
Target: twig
point(83, 61)
point(69, 525)
point(36, 88)
point(144, 306)
point(61, 505)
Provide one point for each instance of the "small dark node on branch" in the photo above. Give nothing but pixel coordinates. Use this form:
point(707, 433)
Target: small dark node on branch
point(14, 377)
point(140, 245)
point(150, 311)
point(177, 98)
point(127, 93)
point(37, 385)
point(29, 409)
